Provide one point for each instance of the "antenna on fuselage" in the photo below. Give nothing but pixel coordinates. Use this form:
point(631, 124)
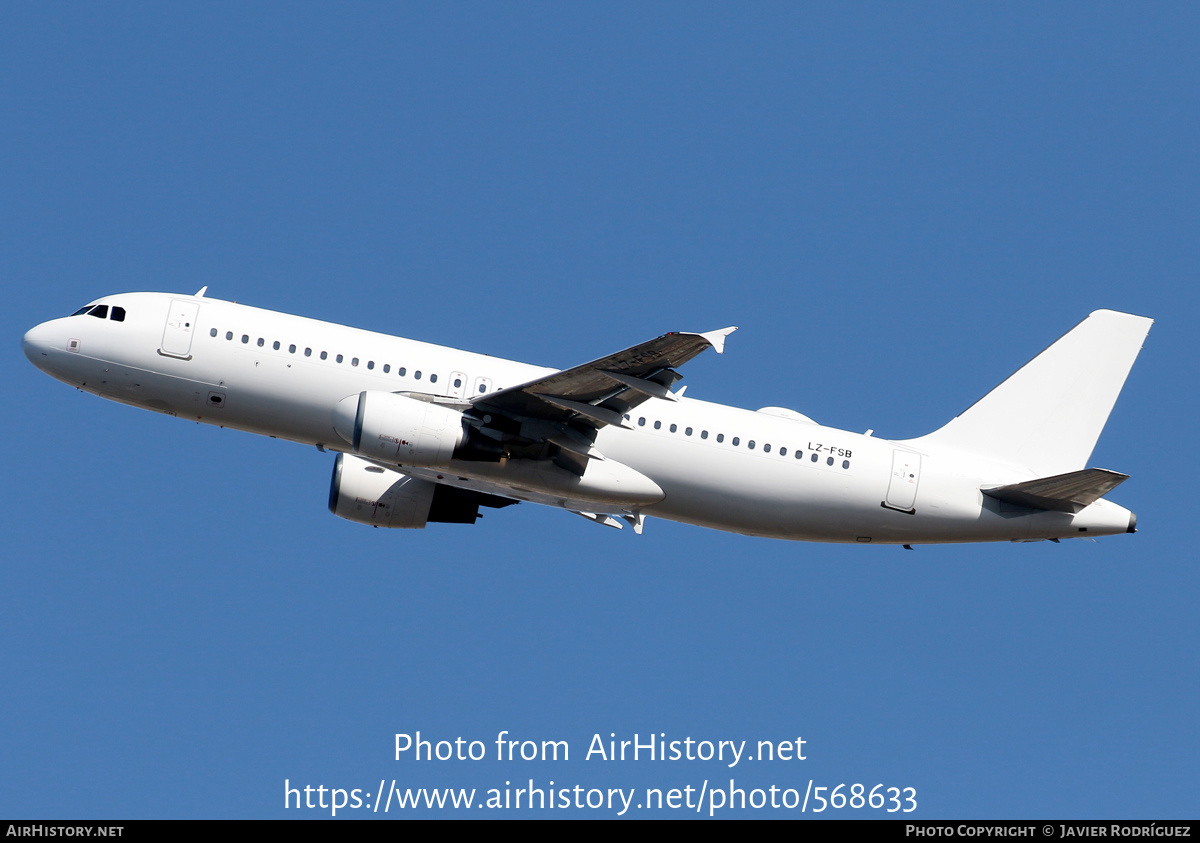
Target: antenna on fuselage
point(200, 293)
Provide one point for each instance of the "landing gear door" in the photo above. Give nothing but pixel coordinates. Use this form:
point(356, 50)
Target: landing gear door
point(902, 488)
point(181, 325)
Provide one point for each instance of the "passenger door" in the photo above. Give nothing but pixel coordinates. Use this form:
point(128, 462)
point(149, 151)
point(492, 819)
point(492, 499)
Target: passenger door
point(181, 325)
point(902, 488)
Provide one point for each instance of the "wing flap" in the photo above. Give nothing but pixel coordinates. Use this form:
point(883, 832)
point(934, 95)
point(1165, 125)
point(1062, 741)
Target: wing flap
point(594, 413)
point(1068, 492)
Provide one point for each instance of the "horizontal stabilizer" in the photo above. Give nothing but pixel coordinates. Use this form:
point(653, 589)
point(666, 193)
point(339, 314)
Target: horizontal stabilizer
point(1069, 492)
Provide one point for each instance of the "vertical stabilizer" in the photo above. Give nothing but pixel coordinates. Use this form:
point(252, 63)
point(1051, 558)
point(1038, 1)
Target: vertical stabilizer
point(1048, 416)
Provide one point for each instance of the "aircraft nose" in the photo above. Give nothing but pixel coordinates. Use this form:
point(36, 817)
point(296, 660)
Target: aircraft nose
point(36, 344)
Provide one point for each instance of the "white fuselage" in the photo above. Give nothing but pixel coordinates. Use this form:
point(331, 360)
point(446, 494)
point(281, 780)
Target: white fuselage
point(717, 466)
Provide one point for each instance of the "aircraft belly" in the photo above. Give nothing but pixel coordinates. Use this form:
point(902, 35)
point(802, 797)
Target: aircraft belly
point(753, 494)
point(141, 388)
point(233, 390)
point(604, 482)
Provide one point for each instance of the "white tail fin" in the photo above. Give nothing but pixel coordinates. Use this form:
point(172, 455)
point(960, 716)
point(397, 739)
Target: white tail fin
point(1048, 416)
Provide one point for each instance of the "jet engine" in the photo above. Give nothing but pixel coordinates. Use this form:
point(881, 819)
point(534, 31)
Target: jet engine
point(371, 494)
point(397, 429)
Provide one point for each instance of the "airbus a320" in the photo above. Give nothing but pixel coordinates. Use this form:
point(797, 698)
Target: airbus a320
point(425, 433)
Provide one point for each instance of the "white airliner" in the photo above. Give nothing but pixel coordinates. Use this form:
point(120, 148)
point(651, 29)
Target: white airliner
point(427, 433)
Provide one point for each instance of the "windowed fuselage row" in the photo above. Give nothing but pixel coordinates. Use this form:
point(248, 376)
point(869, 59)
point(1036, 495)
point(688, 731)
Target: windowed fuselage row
point(483, 386)
point(386, 368)
point(736, 441)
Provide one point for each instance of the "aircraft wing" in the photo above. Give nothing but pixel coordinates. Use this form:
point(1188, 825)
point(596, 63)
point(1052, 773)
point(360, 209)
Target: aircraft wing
point(599, 393)
point(556, 416)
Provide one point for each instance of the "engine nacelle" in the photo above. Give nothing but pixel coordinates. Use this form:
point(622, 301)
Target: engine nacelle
point(393, 428)
point(371, 494)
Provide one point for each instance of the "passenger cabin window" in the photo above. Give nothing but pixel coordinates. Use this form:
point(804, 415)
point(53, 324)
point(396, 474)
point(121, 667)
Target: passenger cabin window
point(213, 332)
point(229, 335)
point(433, 378)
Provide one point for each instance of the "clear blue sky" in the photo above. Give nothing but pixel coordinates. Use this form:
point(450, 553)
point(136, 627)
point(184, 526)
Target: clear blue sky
point(898, 203)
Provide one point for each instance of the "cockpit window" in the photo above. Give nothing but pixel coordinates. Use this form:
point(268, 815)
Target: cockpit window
point(100, 311)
